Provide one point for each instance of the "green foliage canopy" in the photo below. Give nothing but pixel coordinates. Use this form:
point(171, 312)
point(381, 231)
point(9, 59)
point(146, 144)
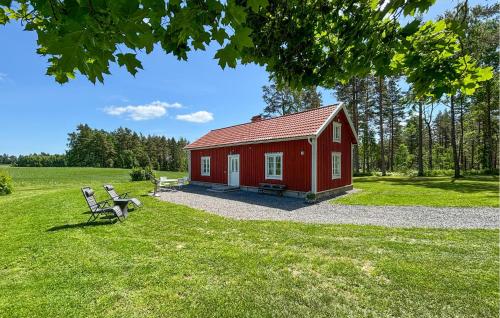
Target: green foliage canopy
point(303, 43)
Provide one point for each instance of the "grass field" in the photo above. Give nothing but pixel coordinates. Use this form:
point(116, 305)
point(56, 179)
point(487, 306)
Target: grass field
point(173, 261)
point(431, 191)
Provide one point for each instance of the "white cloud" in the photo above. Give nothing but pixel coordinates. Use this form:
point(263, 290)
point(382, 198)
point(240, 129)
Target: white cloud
point(197, 117)
point(3, 77)
point(152, 110)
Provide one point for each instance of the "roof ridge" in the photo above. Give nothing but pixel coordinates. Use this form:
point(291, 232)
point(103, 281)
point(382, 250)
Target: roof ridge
point(286, 115)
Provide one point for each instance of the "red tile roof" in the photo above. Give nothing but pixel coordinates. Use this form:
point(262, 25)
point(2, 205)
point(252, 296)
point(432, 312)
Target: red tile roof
point(303, 124)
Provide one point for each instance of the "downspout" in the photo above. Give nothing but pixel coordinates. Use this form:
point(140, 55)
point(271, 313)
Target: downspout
point(189, 164)
point(314, 164)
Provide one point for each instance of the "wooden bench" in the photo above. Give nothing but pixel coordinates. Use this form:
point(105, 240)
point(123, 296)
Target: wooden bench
point(273, 188)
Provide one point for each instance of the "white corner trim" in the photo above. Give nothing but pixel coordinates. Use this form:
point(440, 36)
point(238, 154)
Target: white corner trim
point(314, 164)
point(352, 162)
point(189, 164)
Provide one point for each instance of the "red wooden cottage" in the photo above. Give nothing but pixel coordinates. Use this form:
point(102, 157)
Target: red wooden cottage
point(309, 151)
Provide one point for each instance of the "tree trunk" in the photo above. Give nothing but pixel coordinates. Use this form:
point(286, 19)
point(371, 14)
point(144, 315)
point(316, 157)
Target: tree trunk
point(366, 144)
point(479, 134)
point(381, 123)
point(355, 122)
point(472, 155)
point(391, 152)
point(429, 132)
point(461, 152)
point(456, 163)
point(420, 158)
point(489, 133)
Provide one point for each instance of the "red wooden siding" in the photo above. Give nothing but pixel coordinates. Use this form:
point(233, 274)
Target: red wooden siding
point(325, 148)
point(296, 166)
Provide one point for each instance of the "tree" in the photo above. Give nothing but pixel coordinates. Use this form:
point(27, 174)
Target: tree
point(456, 163)
point(380, 91)
point(349, 94)
point(303, 43)
point(481, 41)
point(282, 100)
point(420, 157)
point(396, 113)
point(124, 148)
point(428, 122)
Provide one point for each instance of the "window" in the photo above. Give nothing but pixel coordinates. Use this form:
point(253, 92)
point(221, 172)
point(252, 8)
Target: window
point(337, 132)
point(336, 165)
point(274, 165)
point(205, 166)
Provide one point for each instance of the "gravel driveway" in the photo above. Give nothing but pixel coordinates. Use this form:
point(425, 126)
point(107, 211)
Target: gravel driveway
point(253, 206)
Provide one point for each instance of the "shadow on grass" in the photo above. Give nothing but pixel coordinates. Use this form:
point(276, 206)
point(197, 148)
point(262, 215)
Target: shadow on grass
point(465, 185)
point(111, 220)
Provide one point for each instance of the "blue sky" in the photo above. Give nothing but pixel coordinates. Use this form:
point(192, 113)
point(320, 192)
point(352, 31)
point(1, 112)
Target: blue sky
point(178, 98)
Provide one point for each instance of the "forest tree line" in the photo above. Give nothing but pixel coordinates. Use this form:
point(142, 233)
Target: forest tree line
point(121, 148)
point(400, 133)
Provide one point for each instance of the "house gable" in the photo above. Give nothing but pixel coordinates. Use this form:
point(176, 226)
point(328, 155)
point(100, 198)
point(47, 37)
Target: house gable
point(327, 148)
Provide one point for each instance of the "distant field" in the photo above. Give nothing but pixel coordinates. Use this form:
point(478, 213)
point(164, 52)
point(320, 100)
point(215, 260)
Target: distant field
point(167, 260)
point(428, 191)
point(49, 177)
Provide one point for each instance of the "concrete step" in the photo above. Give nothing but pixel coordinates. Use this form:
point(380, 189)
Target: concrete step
point(223, 188)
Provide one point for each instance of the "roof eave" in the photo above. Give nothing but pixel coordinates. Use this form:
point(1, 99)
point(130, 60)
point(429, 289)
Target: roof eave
point(263, 141)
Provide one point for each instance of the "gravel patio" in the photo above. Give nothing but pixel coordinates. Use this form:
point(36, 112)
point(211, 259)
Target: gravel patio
point(245, 205)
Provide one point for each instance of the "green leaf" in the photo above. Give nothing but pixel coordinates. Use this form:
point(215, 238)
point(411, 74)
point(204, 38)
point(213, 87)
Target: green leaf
point(235, 13)
point(227, 56)
point(484, 73)
point(130, 61)
point(242, 38)
point(410, 28)
point(219, 35)
point(3, 17)
point(255, 5)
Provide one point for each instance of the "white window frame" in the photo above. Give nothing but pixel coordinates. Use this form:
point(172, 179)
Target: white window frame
point(339, 126)
point(339, 156)
point(203, 172)
point(274, 176)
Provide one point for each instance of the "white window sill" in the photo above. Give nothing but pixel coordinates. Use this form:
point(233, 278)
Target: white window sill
point(336, 177)
point(274, 178)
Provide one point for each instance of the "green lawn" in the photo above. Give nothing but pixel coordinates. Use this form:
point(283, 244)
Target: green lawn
point(173, 261)
point(431, 191)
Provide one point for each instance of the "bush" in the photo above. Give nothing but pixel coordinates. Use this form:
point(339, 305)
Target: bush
point(141, 174)
point(5, 183)
point(311, 197)
point(137, 174)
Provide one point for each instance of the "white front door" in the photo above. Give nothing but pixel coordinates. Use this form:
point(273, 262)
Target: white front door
point(233, 168)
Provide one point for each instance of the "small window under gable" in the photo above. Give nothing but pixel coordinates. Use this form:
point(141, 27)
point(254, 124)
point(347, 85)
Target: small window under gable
point(274, 166)
point(205, 166)
point(337, 131)
point(336, 165)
